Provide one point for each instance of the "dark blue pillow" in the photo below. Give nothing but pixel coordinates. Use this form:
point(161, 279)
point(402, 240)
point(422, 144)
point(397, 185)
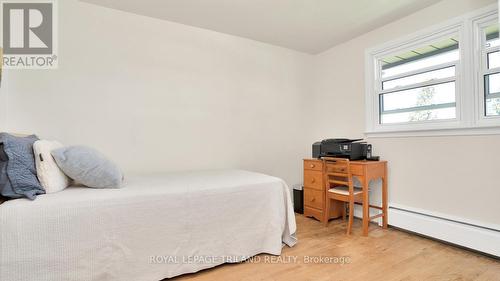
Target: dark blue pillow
point(4, 180)
point(18, 177)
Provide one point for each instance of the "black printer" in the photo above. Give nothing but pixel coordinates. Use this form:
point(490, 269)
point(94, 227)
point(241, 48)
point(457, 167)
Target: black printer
point(342, 148)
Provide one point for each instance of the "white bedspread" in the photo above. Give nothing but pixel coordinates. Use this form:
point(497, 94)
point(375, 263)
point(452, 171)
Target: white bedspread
point(153, 228)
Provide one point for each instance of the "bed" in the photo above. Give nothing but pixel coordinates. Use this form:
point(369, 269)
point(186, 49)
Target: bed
point(156, 227)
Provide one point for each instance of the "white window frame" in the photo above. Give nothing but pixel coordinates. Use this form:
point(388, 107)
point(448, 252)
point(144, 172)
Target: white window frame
point(468, 117)
point(481, 68)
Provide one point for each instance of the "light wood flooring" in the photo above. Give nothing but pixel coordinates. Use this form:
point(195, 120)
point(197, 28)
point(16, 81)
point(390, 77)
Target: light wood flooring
point(384, 255)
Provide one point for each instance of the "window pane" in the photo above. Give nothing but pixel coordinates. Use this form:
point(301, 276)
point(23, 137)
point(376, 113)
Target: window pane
point(419, 104)
point(492, 94)
point(491, 33)
point(440, 52)
point(422, 63)
point(419, 78)
point(423, 115)
point(494, 60)
point(492, 83)
point(436, 94)
point(493, 107)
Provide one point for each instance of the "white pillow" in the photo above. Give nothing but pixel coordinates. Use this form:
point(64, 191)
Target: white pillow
point(50, 176)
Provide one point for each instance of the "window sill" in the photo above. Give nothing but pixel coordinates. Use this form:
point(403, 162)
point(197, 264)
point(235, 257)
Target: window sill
point(463, 131)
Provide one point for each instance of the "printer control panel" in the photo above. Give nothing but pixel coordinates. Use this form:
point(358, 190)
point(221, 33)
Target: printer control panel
point(345, 147)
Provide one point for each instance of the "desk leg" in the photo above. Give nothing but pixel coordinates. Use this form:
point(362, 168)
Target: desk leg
point(384, 198)
point(326, 211)
point(366, 207)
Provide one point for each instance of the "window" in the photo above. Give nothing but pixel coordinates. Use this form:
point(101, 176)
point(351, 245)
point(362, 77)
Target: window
point(419, 85)
point(445, 79)
point(490, 53)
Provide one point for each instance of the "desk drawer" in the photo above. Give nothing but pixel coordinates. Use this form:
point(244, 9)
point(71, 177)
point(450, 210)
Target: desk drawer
point(315, 165)
point(314, 198)
point(313, 179)
point(357, 170)
point(336, 168)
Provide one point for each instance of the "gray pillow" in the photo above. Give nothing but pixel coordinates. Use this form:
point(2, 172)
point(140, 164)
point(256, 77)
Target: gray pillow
point(17, 167)
point(88, 167)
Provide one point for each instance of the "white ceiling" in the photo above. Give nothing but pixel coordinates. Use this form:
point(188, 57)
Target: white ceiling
point(310, 26)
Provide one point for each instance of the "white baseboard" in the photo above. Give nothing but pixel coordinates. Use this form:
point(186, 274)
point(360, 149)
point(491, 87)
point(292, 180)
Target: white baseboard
point(478, 237)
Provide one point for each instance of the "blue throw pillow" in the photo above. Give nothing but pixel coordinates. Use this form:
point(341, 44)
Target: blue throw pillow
point(17, 167)
point(88, 167)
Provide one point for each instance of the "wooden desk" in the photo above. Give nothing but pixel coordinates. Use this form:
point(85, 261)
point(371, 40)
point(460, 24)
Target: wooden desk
point(315, 190)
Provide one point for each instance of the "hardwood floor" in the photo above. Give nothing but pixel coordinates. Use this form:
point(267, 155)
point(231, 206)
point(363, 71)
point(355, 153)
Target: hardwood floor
point(383, 255)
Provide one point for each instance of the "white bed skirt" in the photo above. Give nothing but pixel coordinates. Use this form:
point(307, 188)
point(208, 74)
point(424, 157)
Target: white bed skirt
point(154, 228)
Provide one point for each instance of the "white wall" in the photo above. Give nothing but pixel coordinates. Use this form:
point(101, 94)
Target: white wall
point(160, 96)
point(457, 176)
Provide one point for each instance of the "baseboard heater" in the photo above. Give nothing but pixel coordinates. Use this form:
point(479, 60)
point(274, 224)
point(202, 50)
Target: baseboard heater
point(472, 235)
